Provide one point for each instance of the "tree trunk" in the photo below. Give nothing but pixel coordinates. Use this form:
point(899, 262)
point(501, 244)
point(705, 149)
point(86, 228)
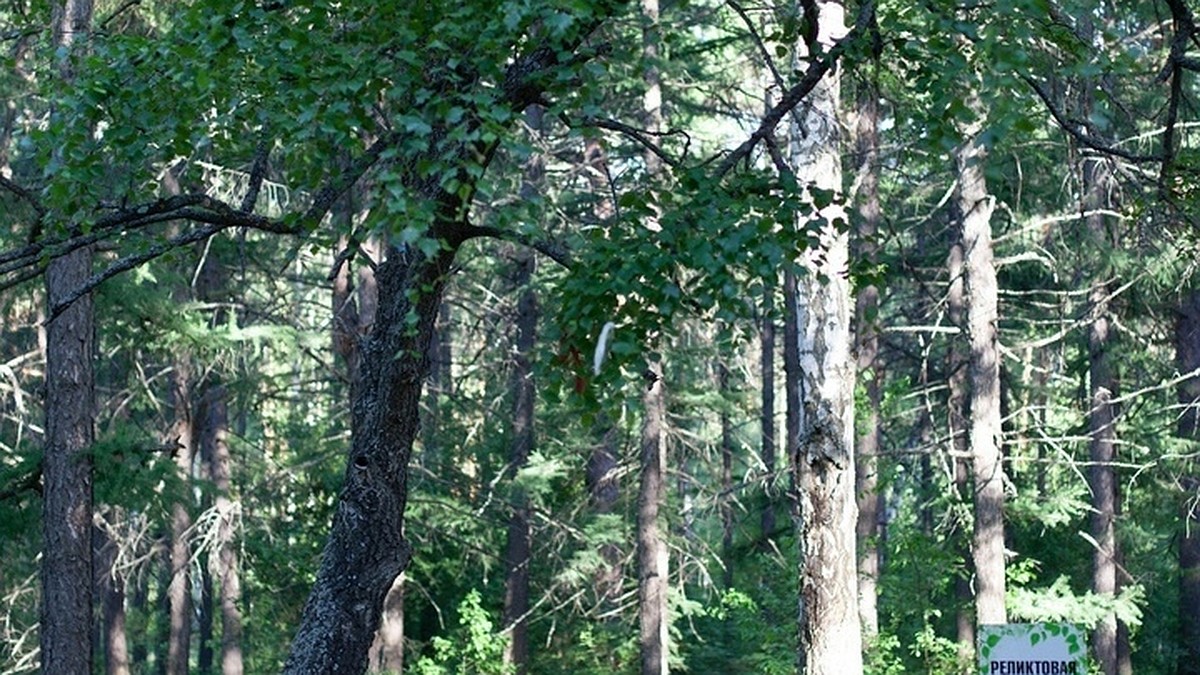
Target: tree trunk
point(726, 500)
point(767, 419)
point(866, 342)
point(516, 583)
point(1102, 430)
point(179, 592)
point(957, 428)
point(830, 638)
point(110, 586)
point(975, 205)
point(601, 472)
point(1187, 358)
point(651, 549)
point(366, 550)
point(66, 574)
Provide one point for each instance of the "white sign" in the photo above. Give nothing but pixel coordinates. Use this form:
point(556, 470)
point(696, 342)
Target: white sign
point(1032, 649)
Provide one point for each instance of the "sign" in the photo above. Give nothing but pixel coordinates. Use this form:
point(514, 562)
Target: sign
point(1032, 649)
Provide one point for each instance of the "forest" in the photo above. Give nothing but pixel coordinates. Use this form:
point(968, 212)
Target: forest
point(592, 336)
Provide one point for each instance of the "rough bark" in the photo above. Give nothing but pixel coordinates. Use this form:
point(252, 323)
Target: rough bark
point(366, 550)
point(1187, 358)
point(726, 504)
point(866, 343)
point(66, 573)
point(830, 639)
point(767, 417)
point(987, 545)
point(1102, 432)
point(653, 562)
point(958, 449)
point(110, 587)
point(652, 558)
point(516, 583)
point(179, 591)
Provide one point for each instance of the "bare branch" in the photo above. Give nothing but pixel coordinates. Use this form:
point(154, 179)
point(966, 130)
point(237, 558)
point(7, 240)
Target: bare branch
point(792, 97)
point(639, 135)
point(551, 249)
point(23, 194)
point(1083, 138)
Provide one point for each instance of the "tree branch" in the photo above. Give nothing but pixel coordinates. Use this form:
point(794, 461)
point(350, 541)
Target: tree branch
point(1083, 138)
point(25, 195)
point(792, 97)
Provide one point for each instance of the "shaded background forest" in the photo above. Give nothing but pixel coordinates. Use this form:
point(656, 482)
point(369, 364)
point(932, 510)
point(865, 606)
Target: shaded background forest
point(225, 365)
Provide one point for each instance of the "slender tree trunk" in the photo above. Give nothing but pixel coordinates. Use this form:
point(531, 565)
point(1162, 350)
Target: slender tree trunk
point(866, 340)
point(66, 574)
point(517, 558)
point(1102, 429)
point(830, 638)
point(110, 586)
point(958, 449)
point(653, 560)
point(726, 501)
point(179, 592)
point(651, 549)
point(767, 419)
point(601, 472)
point(1187, 359)
point(976, 206)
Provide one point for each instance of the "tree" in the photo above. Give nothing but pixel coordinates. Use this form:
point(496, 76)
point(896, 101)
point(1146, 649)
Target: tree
point(66, 466)
point(829, 633)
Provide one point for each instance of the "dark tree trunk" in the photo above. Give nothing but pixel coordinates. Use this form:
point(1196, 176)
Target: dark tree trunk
point(1187, 357)
point(767, 418)
point(1101, 429)
point(179, 592)
point(516, 583)
point(726, 501)
point(66, 573)
point(343, 612)
point(110, 587)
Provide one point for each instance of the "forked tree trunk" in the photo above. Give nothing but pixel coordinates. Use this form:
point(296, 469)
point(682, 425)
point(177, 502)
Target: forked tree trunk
point(830, 638)
point(366, 550)
point(66, 573)
point(987, 545)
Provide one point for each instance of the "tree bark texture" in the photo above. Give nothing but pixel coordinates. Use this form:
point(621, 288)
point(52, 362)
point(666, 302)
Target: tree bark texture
point(975, 205)
point(830, 639)
point(1102, 430)
point(726, 504)
point(767, 417)
point(366, 550)
point(866, 343)
point(516, 583)
point(66, 573)
point(179, 556)
point(957, 427)
point(1187, 357)
point(110, 587)
point(652, 557)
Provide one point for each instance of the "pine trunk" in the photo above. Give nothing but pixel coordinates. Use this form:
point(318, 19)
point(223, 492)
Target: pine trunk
point(987, 545)
point(866, 342)
point(1187, 357)
point(651, 549)
point(66, 573)
point(958, 449)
